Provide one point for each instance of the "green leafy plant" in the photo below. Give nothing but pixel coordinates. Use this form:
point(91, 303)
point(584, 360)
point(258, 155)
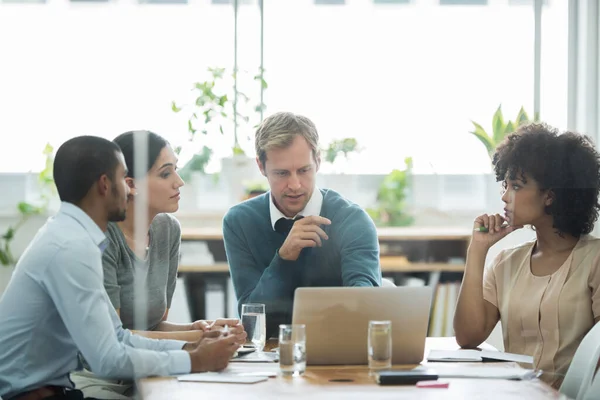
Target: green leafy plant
point(500, 129)
point(391, 198)
point(253, 188)
point(215, 110)
point(343, 146)
point(198, 162)
point(27, 210)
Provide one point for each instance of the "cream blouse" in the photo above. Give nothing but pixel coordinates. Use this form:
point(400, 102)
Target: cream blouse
point(546, 316)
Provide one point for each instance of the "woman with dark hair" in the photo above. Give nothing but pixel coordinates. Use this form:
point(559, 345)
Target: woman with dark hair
point(143, 278)
point(545, 292)
point(155, 263)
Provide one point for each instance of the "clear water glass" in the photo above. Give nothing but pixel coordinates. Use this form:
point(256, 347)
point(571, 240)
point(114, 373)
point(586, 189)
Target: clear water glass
point(292, 349)
point(254, 321)
point(380, 345)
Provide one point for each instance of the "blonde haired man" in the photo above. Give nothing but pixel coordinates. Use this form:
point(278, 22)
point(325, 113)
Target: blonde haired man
point(296, 234)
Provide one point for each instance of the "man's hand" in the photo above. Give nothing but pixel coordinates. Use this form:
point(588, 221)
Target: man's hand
point(306, 232)
point(213, 351)
point(236, 330)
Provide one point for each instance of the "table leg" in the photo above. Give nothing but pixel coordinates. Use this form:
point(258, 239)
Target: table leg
point(195, 289)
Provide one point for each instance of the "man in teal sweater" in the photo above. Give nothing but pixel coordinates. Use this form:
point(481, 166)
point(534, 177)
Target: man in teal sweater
point(296, 235)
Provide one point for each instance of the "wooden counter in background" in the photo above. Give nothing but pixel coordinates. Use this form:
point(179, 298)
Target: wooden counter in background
point(424, 252)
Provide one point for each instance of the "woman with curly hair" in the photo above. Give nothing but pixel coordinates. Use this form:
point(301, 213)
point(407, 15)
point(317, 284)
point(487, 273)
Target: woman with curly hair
point(545, 292)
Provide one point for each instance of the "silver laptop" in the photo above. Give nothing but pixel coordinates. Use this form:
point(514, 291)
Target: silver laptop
point(337, 320)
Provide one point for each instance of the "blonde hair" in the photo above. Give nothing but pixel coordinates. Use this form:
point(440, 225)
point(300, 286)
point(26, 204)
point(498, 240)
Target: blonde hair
point(279, 130)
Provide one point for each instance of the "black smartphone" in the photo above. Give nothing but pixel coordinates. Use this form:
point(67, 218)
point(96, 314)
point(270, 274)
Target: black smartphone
point(406, 377)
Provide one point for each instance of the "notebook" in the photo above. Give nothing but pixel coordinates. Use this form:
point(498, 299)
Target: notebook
point(476, 355)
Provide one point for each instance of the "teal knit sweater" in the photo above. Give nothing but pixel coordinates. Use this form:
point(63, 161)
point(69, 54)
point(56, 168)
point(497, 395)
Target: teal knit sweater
point(349, 258)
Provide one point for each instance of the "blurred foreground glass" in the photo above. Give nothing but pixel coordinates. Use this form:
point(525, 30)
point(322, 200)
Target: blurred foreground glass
point(380, 345)
point(292, 349)
point(254, 321)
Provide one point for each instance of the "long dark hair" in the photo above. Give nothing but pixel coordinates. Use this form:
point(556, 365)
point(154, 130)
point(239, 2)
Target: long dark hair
point(126, 142)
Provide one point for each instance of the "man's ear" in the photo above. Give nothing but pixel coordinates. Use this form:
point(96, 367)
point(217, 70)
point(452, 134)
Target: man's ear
point(261, 167)
point(318, 162)
point(131, 183)
point(103, 184)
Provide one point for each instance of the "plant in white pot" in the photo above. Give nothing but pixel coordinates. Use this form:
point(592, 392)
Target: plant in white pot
point(392, 208)
point(338, 155)
point(215, 110)
point(25, 211)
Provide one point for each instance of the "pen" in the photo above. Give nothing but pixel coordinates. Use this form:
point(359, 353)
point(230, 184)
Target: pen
point(226, 330)
point(486, 230)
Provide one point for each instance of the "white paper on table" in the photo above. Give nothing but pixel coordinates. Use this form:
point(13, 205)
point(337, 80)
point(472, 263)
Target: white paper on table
point(477, 355)
point(218, 377)
point(484, 372)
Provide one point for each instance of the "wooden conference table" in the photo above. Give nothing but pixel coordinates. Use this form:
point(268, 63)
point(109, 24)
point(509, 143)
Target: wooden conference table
point(347, 382)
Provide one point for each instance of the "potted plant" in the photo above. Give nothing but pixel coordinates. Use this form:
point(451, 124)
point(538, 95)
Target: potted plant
point(255, 188)
point(500, 129)
point(337, 154)
point(25, 211)
point(216, 110)
point(340, 147)
point(391, 199)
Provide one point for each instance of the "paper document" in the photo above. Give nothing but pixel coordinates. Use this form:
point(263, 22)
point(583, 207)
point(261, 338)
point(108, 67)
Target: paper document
point(484, 372)
point(221, 378)
point(476, 355)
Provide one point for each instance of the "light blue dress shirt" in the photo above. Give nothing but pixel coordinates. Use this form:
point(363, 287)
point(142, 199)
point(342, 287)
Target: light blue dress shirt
point(55, 306)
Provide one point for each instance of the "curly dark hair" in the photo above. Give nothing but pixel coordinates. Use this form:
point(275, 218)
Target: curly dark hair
point(567, 164)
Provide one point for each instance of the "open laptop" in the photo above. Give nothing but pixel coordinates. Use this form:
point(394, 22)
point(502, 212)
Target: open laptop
point(337, 321)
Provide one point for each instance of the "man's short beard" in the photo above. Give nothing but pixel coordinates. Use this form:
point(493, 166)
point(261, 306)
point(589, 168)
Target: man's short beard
point(116, 215)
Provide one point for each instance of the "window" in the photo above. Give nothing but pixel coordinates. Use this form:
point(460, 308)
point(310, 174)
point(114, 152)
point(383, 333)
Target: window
point(100, 81)
point(23, 1)
point(553, 84)
point(463, 2)
point(330, 2)
point(163, 1)
point(392, 1)
point(415, 92)
point(231, 2)
point(525, 2)
point(397, 86)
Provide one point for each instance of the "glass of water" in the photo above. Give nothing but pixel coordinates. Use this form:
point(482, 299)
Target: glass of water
point(254, 322)
point(380, 345)
point(292, 349)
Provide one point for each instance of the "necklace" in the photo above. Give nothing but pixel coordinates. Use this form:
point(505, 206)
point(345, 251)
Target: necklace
point(133, 241)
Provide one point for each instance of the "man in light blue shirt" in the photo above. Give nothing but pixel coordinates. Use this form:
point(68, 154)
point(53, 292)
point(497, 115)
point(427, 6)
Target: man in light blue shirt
point(56, 306)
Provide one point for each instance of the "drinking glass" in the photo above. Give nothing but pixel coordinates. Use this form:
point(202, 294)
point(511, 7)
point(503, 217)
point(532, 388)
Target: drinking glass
point(254, 321)
point(380, 345)
point(292, 349)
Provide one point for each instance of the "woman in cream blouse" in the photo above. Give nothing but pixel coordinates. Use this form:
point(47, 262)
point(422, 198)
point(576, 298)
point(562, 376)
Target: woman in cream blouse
point(545, 292)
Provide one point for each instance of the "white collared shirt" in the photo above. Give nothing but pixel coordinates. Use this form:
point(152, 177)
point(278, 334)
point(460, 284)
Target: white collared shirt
point(313, 207)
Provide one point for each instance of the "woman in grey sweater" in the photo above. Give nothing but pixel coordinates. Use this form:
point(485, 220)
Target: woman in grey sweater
point(140, 278)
